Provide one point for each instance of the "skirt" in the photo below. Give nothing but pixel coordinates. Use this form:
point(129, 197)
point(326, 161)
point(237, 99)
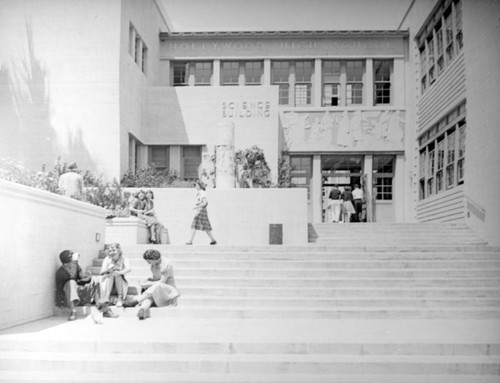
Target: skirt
point(348, 208)
point(201, 221)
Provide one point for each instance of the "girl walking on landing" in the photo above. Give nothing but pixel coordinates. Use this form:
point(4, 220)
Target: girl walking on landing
point(201, 221)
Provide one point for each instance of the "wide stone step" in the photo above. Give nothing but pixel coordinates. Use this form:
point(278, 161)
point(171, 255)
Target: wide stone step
point(380, 312)
point(416, 292)
point(310, 248)
point(314, 302)
point(250, 364)
point(320, 264)
point(191, 377)
point(322, 273)
point(396, 282)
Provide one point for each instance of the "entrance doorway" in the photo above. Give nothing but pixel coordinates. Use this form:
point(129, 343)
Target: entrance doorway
point(342, 170)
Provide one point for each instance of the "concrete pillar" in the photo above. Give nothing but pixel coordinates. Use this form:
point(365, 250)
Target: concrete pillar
point(317, 83)
point(398, 188)
point(175, 159)
point(216, 74)
point(398, 83)
point(267, 72)
point(368, 187)
point(224, 156)
point(316, 192)
point(369, 83)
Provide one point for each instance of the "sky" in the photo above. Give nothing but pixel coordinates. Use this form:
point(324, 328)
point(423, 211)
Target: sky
point(272, 15)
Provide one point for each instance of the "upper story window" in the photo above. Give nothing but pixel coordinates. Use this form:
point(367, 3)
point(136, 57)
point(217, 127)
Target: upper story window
point(440, 41)
point(280, 75)
point(294, 79)
point(382, 78)
point(241, 72)
point(303, 82)
point(253, 72)
point(230, 72)
point(442, 154)
point(180, 71)
point(342, 82)
point(202, 72)
point(198, 73)
point(137, 48)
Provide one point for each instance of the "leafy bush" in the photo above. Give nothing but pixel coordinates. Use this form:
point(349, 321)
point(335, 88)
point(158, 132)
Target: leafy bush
point(252, 168)
point(13, 170)
point(150, 177)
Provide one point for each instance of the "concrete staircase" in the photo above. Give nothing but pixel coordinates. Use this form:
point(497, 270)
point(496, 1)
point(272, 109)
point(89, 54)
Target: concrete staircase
point(363, 303)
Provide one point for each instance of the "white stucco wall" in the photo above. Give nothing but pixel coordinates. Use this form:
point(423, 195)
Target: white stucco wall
point(238, 216)
point(37, 226)
point(59, 82)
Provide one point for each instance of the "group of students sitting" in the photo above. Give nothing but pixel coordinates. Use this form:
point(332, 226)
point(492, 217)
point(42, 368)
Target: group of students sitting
point(75, 288)
point(142, 206)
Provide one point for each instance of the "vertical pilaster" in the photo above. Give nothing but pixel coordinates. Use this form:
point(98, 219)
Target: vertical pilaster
point(216, 74)
point(368, 97)
point(317, 83)
point(368, 187)
point(316, 192)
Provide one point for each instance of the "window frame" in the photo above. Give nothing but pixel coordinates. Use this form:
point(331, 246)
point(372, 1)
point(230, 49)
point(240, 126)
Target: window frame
point(384, 82)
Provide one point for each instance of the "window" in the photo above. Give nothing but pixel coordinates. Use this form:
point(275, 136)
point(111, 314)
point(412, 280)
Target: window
point(303, 82)
point(458, 25)
point(144, 59)
point(331, 83)
point(253, 73)
point(430, 170)
point(180, 73)
point(198, 73)
point(449, 38)
point(191, 156)
point(422, 172)
point(440, 41)
point(440, 164)
point(230, 73)
point(280, 73)
point(461, 151)
point(241, 72)
point(442, 154)
point(383, 175)
point(301, 172)
point(382, 76)
point(131, 41)
point(354, 82)
point(159, 157)
point(342, 82)
point(202, 73)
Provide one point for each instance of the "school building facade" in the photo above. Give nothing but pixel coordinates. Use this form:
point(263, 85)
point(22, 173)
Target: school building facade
point(406, 113)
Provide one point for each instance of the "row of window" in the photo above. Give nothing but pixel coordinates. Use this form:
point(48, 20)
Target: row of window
point(442, 155)
point(343, 81)
point(159, 158)
point(441, 41)
point(137, 48)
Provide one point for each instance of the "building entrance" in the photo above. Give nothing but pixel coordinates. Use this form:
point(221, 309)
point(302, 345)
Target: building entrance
point(343, 171)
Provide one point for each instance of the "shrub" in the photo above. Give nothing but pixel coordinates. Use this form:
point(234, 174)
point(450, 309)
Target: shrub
point(150, 177)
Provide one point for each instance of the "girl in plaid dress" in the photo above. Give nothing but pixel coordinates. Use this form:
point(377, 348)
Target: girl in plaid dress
point(201, 221)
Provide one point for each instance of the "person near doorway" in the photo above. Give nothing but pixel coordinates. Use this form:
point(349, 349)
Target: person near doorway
point(347, 206)
point(335, 203)
point(357, 195)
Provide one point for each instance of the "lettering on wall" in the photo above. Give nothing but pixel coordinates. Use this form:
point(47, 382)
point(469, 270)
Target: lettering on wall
point(246, 109)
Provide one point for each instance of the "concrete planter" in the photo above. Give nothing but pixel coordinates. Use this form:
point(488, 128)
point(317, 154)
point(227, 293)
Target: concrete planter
point(126, 231)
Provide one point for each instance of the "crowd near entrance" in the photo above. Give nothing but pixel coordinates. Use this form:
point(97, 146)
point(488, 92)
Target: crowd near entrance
point(371, 178)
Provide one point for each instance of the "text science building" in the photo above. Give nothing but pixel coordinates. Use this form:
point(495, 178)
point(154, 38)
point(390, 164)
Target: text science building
point(401, 112)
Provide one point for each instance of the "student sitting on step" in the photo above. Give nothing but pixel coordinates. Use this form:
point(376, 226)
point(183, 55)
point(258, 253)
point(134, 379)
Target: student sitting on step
point(160, 289)
point(115, 267)
point(73, 286)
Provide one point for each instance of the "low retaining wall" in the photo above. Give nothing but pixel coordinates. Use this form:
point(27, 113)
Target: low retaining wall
point(35, 228)
point(238, 216)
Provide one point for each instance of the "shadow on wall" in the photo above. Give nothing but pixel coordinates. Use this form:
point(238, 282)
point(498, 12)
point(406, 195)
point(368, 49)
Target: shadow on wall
point(26, 132)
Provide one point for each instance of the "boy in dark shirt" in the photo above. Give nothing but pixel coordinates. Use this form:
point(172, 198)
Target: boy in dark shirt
point(73, 286)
